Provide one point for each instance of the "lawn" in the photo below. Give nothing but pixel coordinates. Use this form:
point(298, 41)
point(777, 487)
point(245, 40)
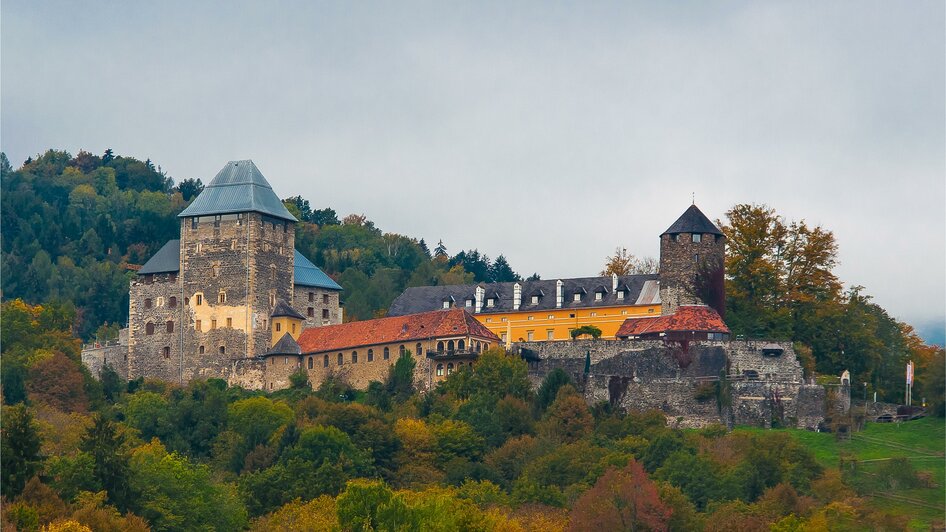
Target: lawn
point(921, 441)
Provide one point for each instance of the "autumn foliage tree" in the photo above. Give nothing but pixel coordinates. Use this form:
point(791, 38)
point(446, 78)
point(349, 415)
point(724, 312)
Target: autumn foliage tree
point(625, 263)
point(622, 499)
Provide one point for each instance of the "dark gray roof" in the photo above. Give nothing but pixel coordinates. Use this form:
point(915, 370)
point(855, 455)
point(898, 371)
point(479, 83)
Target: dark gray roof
point(693, 221)
point(640, 290)
point(286, 345)
point(308, 274)
point(167, 259)
point(283, 309)
point(238, 187)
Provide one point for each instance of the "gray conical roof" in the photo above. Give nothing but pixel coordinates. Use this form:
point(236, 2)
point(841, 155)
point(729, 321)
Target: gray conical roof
point(283, 309)
point(693, 221)
point(238, 187)
point(286, 345)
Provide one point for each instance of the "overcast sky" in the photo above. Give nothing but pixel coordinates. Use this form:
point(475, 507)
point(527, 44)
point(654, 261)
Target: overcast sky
point(547, 133)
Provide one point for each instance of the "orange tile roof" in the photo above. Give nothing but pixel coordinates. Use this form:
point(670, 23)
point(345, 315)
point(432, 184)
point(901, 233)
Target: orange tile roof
point(687, 318)
point(435, 324)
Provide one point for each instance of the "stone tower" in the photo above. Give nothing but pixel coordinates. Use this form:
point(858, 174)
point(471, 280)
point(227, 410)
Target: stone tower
point(692, 263)
point(233, 262)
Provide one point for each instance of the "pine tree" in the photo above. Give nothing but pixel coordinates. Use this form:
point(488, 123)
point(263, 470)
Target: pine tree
point(20, 458)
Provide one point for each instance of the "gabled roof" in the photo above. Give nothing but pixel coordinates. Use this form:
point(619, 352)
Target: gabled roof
point(286, 345)
point(687, 318)
point(167, 259)
point(308, 274)
point(282, 309)
point(693, 221)
point(238, 187)
point(641, 290)
point(396, 329)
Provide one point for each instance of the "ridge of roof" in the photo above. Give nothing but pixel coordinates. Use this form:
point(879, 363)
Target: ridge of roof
point(693, 221)
point(238, 187)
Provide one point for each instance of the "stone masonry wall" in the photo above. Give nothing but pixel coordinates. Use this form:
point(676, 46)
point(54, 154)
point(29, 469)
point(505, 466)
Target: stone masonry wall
point(314, 303)
point(155, 300)
point(679, 267)
point(113, 354)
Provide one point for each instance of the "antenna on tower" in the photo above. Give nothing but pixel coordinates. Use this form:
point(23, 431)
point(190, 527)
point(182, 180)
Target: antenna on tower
point(694, 197)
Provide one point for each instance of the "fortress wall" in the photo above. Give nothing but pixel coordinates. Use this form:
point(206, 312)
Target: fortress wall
point(306, 297)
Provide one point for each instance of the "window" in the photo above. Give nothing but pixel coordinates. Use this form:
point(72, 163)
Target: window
point(148, 303)
point(469, 303)
point(502, 319)
point(149, 328)
point(490, 302)
point(450, 368)
point(214, 270)
point(310, 363)
point(489, 320)
point(325, 361)
point(696, 257)
point(530, 336)
point(697, 237)
point(198, 248)
point(479, 346)
point(272, 300)
point(325, 314)
point(200, 350)
point(598, 296)
point(230, 322)
point(278, 327)
point(325, 299)
point(419, 349)
point(530, 318)
point(341, 359)
point(440, 346)
point(577, 296)
point(550, 334)
point(446, 304)
point(354, 357)
point(213, 324)
point(200, 299)
point(371, 355)
point(620, 294)
point(311, 296)
point(551, 316)
point(400, 350)
point(624, 312)
point(310, 312)
point(502, 337)
point(450, 346)
point(169, 326)
point(172, 302)
point(571, 315)
point(272, 272)
point(160, 302)
point(387, 353)
point(293, 326)
point(440, 370)
point(650, 311)
point(222, 297)
point(593, 314)
point(223, 350)
point(197, 326)
point(167, 352)
point(285, 361)
point(187, 301)
point(535, 300)
point(460, 345)
point(194, 223)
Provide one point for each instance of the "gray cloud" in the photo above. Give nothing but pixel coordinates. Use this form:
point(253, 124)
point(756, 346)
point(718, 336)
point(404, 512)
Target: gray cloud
point(550, 134)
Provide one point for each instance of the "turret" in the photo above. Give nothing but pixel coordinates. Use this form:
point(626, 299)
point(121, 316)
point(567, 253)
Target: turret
point(285, 320)
point(692, 263)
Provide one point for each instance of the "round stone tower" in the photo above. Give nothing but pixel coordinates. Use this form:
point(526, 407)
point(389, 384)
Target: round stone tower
point(692, 263)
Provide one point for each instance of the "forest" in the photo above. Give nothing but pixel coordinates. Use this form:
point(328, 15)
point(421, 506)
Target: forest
point(484, 451)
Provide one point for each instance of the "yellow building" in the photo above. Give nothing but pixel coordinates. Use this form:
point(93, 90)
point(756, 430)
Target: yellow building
point(542, 310)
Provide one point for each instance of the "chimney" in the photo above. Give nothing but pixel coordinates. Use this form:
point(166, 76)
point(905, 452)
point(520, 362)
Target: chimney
point(479, 298)
point(516, 296)
point(559, 293)
point(614, 282)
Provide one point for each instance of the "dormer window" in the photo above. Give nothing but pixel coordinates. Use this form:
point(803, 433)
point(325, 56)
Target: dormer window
point(599, 296)
point(490, 302)
point(620, 294)
point(469, 303)
point(446, 304)
point(576, 296)
point(535, 300)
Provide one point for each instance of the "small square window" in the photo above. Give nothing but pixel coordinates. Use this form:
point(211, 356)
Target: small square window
point(550, 334)
point(530, 335)
point(324, 313)
point(620, 294)
point(490, 302)
point(551, 316)
point(535, 300)
point(310, 312)
point(446, 304)
point(697, 237)
point(598, 296)
point(325, 299)
point(577, 296)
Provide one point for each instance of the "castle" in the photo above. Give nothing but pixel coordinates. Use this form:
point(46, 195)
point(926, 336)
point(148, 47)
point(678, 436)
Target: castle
point(233, 299)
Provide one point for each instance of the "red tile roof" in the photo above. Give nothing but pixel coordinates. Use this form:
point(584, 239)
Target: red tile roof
point(435, 324)
point(687, 318)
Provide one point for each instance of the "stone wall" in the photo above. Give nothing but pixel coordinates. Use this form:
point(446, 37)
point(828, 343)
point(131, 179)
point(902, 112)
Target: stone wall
point(680, 262)
point(113, 354)
point(155, 300)
point(315, 304)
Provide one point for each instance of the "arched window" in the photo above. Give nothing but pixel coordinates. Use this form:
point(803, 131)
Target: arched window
point(478, 346)
point(169, 326)
point(149, 328)
point(354, 357)
point(401, 350)
point(172, 302)
point(148, 303)
point(341, 359)
point(200, 350)
point(222, 297)
point(440, 346)
point(387, 353)
point(460, 345)
point(325, 361)
point(440, 370)
point(419, 349)
point(450, 368)
point(371, 355)
point(167, 352)
point(223, 350)
point(310, 362)
point(450, 346)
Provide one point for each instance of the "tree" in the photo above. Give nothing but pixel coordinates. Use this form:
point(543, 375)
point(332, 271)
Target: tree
point(323, 217)
point(56, 381)
point(622, 499)
point(400, 381)
point(440, 252)
point(21, 444)
point(589, 330)
point(190, 188)
point(625, 263)
point(549, 388)
point(501, 272)
point(567, 418)
point(107, 448)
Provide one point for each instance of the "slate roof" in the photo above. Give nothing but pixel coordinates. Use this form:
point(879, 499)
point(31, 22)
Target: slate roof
point(396, 329)
point(640, 290)
point(283, 309)
point(286, 345)
point(693, 221)
point(687, 318)
point(168, 259)
point(308, 274)
point(238, 187)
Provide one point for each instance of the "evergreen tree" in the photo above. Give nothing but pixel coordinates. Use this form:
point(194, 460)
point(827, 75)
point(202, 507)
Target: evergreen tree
point(111, 469)
point(20, 457)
